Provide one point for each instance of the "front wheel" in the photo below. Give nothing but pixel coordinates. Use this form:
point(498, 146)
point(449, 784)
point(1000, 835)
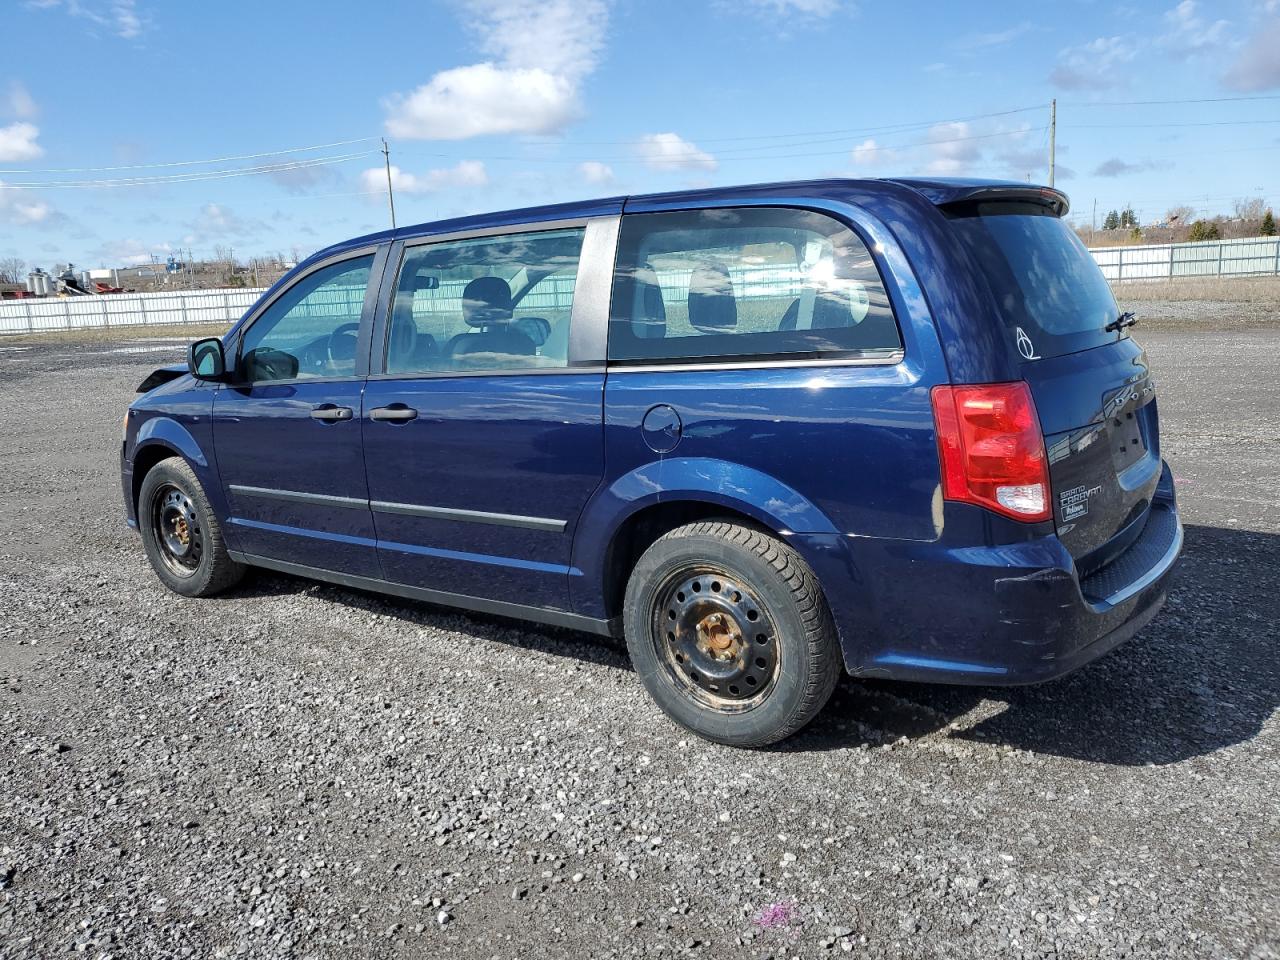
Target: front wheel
point(180, 533)
point(730, 634)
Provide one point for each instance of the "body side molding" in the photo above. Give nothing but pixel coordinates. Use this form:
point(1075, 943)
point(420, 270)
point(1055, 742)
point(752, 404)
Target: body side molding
point(555, 618)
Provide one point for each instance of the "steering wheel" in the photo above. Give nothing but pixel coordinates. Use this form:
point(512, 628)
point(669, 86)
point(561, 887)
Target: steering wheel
point(340, 347)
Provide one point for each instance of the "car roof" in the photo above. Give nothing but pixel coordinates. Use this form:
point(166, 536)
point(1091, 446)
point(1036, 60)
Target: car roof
point(938, 190)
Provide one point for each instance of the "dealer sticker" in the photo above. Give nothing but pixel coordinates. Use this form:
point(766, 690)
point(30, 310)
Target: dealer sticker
point(1074, 503)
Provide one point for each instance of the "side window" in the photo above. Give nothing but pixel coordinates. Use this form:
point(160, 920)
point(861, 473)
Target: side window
point(311, 330)
point(744, 283)
point(492, 303)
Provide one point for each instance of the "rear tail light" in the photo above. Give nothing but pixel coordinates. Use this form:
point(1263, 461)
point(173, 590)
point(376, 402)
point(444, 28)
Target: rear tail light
point(991, 448)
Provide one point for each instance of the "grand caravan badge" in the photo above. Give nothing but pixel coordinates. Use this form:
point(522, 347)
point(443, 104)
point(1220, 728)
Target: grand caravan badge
point(1074, 503)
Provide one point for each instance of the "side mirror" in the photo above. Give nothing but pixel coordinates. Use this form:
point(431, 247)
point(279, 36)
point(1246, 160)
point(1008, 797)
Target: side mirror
point(205, 359)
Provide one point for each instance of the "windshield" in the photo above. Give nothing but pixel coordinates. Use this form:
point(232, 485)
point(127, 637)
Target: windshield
point(1045, 281)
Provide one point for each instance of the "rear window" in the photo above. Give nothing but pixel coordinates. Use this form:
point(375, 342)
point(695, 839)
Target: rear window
point(1045, 282)
point(745, 284)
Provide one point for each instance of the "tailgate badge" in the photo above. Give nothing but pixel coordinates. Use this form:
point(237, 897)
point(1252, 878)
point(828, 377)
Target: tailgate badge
point(1025, 346)
point(1075, 502)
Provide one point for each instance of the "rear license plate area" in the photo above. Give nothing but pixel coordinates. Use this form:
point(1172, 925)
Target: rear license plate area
point(1127, 443)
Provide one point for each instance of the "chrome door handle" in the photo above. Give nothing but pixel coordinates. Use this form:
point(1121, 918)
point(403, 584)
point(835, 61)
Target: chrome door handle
point(397, 412)
point(327, 411)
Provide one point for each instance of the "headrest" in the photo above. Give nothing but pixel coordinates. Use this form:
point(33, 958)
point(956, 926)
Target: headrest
point(649, 313)
point(486, 301)
point(712, 308)
point(536, 329)
point(404, 333)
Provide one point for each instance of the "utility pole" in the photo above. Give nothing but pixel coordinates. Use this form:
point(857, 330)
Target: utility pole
point(1093, 221)
point(1053, 135)
point(391, 200)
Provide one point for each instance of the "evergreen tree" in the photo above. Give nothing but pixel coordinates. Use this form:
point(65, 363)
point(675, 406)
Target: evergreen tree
point(1128, 218)
point(1112, 221)
point(1268, 228)
point(1202, 230)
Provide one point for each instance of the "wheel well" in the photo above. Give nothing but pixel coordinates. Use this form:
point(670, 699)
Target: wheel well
point(145, 459)
point(642, 528)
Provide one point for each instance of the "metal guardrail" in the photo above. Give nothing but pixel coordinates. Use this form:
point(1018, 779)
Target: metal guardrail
point(1215, 258)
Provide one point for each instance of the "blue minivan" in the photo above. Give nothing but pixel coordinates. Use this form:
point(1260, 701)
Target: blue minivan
point(765, 433)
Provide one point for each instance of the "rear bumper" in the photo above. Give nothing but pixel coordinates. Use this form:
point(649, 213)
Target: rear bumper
point(999, 615)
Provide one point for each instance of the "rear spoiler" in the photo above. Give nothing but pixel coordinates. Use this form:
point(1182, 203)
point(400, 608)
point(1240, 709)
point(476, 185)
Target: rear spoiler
point(1055, 200)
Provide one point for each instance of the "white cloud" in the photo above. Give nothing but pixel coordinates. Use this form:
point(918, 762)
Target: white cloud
point(20, 102)
point(18, 142)
point(467, 173)
point(1116, 167)
point(806, 8)
point(481, 100)
point(593, 171)
point(1096, 65)
point(120, 17)
point(20, 208)
point(1189, 34)
point(219, 221)
point(979, 41)
point(952, 149)
point(1257, 67)
point(128, 253)
point(869, 153)
point(668, 151)
point(540, 54)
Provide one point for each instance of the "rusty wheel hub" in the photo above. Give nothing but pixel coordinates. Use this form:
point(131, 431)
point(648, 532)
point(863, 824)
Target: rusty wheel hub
point(719, 636)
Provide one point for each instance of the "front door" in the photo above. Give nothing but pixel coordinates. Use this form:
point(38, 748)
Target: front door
point(482, 441)
point(287, 431)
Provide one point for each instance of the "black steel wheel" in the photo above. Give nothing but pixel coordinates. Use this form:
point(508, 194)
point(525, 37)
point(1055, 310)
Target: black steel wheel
point(715, 637)
point(180, 532)
point(730, 634)
point(176, 528)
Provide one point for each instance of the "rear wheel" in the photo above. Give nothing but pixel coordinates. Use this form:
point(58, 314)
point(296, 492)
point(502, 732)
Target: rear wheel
point(180, 534)
point(730, 633)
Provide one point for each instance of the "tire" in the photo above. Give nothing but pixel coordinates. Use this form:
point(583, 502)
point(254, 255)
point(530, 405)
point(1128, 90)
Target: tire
point(180, 533)
point(730, 633)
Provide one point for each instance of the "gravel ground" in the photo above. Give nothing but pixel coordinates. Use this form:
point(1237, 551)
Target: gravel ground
point(297, 770)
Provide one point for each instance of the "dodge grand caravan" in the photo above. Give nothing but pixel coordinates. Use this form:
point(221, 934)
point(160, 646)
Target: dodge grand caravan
point(764, 433)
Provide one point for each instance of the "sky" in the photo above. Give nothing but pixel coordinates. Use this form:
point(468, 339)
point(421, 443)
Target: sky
point(134, 129)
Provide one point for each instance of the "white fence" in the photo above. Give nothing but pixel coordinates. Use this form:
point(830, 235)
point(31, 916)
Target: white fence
point(1255, 257)
point(31, 315)
point(1216, 258)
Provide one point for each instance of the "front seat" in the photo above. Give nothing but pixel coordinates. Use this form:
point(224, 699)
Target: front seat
point(486, 307)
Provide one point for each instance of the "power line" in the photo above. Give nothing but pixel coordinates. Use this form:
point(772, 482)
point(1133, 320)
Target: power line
point(1194, 123)
point(1148, 103)
point(186, 177)
point(193, 163)
point(849, 131)
point(697, 154)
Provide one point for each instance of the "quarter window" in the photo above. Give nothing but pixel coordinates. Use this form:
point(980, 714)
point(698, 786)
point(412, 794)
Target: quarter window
point(745, 283)
point(311, 330)
point(490, 303)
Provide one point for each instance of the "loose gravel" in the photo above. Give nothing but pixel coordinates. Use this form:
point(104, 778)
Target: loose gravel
point(298, 770)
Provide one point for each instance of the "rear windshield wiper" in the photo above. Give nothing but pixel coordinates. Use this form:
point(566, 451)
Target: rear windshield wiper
point(1125, 319)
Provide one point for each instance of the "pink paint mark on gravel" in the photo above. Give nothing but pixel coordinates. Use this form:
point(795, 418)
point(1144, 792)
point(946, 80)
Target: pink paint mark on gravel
point(776, 916)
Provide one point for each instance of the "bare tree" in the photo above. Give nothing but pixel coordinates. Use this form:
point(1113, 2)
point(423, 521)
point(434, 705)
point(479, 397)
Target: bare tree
point(1250, 208)
point(12, 270)
point(1180, 215)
